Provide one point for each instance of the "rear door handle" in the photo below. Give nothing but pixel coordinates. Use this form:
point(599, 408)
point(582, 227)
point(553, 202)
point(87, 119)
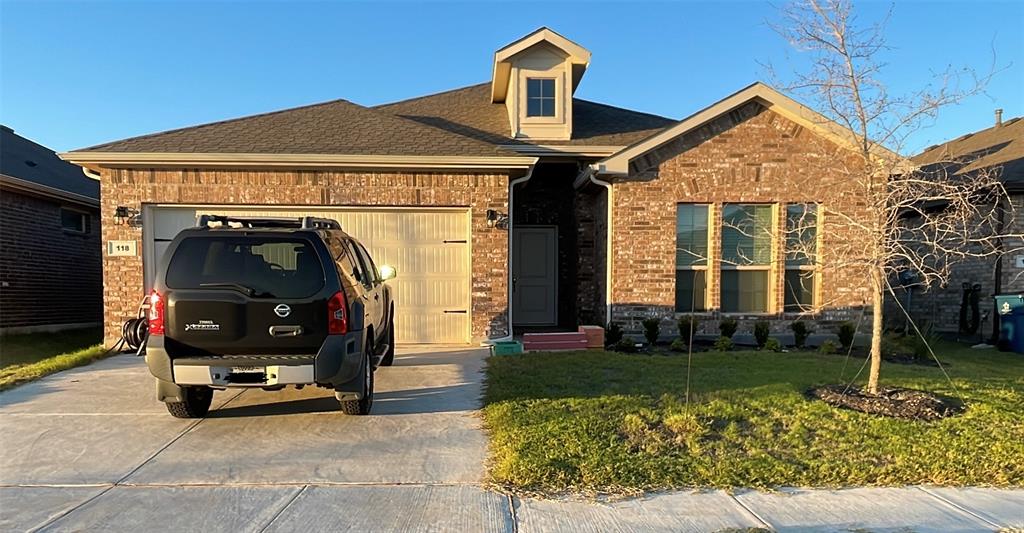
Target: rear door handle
point(285, 331)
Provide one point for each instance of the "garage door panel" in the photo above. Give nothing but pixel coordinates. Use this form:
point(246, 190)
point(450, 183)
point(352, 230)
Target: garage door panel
point(429, 249)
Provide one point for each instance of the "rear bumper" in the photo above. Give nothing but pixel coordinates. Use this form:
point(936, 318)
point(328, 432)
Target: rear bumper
point(336, 363)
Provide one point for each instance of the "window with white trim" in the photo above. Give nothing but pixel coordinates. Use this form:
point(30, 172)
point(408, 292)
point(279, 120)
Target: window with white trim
point(801, 257)
point(74, 221)
point(540, 97)
point(691, 257)
point(746, 257)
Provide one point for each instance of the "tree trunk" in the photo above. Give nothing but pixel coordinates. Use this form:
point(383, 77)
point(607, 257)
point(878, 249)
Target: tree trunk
point(877, 303)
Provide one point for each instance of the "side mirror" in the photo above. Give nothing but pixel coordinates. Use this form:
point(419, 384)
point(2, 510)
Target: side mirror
point(387, 272)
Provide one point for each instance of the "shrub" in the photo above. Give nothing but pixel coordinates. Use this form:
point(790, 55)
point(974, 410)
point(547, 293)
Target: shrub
point(761, 329)
point(897, 345)
point(652, 326)
point(612, 334)
point(920, 346)
point(625, 346)
point(728, 327)
point(828, 347)
point(680, 345)
point(800, 333)
point(723, 344)
point(847, 331)
point(773, 344)
point(686, 325)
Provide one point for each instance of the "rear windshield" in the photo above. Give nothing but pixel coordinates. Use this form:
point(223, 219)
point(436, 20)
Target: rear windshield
point(261, 267)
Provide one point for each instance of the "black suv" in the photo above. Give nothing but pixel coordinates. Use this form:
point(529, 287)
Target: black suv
point(267, 302)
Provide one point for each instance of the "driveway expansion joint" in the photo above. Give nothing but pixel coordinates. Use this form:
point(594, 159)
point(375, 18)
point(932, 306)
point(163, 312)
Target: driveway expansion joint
point(751, 512)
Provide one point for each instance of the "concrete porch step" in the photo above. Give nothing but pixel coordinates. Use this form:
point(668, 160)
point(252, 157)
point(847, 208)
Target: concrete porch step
point(554, 341)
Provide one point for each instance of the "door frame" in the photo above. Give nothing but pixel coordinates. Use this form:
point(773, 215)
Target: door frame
point(512, 267)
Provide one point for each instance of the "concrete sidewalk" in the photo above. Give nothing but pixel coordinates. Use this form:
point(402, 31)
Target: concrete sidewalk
point(91, 450)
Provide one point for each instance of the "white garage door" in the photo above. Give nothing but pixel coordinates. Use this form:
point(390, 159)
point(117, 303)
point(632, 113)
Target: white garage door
point(429, 248)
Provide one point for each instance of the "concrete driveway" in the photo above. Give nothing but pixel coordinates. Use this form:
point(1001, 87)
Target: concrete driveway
point(91, 449)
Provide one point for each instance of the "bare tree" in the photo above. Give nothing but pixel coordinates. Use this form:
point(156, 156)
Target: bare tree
point(910, 219)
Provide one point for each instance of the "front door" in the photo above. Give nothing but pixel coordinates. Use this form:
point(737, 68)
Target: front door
point(535, 275)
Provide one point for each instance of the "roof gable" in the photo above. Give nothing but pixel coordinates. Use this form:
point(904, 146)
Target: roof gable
point(618, 163)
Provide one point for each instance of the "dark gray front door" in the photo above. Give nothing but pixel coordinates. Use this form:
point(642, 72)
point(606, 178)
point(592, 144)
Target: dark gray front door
point(535, 276)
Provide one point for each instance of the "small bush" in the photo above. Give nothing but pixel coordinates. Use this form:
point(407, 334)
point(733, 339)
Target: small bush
point(897, 345)
point(773, 344)
point(920, 346)
point(652, 327)
point(612, 334)
point(828, 348)
point(723, 344)
point(761, 330)
point(847, 331)
point(800, 333)
point(680, 345)
point(728, 327)
point(686, 325)
point(625, 346)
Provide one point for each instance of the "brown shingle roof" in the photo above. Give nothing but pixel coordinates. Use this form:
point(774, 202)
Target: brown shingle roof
point(468, 111)
point(999, 147)
point(336, 127)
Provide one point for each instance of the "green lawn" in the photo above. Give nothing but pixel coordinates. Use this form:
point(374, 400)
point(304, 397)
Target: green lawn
point(609, 422)
point(27, 357)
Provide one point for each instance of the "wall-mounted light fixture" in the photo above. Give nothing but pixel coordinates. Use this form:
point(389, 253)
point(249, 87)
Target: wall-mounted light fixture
point(496, 219)
point(126, 215)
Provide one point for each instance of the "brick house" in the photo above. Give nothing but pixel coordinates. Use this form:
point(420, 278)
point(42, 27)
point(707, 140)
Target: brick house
point(50, 261)
point(998, 151)
point(513, 200)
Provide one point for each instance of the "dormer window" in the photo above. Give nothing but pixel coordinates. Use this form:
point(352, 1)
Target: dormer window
point(540, 97)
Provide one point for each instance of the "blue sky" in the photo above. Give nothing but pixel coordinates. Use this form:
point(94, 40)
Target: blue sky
point(73, 74)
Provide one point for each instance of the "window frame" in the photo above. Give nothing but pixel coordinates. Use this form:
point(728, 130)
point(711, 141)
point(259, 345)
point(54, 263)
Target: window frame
point(697, 267)
point(554, 98)
point(767, 267)
point(83, 216)
point(812, 266)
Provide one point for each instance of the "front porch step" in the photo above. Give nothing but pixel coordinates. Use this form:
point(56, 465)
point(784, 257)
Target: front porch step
point(554, 341)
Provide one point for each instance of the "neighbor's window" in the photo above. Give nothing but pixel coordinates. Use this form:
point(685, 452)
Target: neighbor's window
point(75, 221)
point(746, 257)
point(801, 256)
point(691, 257)
point(540, 97)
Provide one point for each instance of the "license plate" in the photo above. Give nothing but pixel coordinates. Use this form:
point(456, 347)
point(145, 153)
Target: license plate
point(248, 370)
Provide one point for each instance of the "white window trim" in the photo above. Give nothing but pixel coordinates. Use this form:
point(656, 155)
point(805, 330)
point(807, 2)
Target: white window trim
point(724, 266)
point(526, 75)
point(815, 267)
point(83, 216)
point(706, 266)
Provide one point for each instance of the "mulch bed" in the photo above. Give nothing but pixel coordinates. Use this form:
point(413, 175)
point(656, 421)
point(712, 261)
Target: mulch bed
point(895, 402)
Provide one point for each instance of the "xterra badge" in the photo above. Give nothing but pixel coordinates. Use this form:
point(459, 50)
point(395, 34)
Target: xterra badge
point(203, 325)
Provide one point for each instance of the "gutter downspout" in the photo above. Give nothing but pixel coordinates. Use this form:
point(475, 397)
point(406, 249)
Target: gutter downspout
point(511, 216)
point(589, 174)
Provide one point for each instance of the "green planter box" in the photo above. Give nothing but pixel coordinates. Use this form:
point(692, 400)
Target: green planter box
point(507, 348)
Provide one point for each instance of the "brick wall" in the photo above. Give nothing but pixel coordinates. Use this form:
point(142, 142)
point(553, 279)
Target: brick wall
point(122, 276)
point(750, 155)
point(47, 275)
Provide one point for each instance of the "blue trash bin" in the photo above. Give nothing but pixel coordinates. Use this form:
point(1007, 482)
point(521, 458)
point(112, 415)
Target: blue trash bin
point(1011, 322)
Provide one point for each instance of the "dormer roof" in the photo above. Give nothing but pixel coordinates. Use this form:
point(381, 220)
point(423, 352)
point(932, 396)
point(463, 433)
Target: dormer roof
point(543, 36)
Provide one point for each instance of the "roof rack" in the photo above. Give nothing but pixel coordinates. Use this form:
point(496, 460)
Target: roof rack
point(206, 221)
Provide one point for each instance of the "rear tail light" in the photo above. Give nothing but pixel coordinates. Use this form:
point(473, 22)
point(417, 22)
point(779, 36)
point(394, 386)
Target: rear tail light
point(156, 314)
point(337, 314)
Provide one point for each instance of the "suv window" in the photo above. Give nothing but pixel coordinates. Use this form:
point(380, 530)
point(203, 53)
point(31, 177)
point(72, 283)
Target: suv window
point(272, 267)
point(365, 274)
point(369, 261)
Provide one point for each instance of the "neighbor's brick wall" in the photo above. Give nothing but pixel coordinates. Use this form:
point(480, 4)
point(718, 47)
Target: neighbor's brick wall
point(751, 155)
point(122, 276)
point(47, 275)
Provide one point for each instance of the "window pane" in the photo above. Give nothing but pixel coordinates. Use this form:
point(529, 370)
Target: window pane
point(746, 234)
point(690, 290)
point(799, 290)
point(533, 107)
point(691, 234)
point(744, 291)
point(72, 220)
point(533, 87)
point(801, 234)
point(547, 88)
point(540, 97)
point(547, 107)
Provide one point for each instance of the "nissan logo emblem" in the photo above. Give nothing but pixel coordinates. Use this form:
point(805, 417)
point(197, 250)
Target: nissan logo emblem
point(282, 310)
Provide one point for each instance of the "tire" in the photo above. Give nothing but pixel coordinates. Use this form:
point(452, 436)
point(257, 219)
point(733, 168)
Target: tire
point(196, 403)
point(389, 357)
point(362, 406)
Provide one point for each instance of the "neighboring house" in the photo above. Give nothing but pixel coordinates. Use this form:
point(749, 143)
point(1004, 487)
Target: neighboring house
point(50, 261)
point(601, 198)
point(998, 151)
